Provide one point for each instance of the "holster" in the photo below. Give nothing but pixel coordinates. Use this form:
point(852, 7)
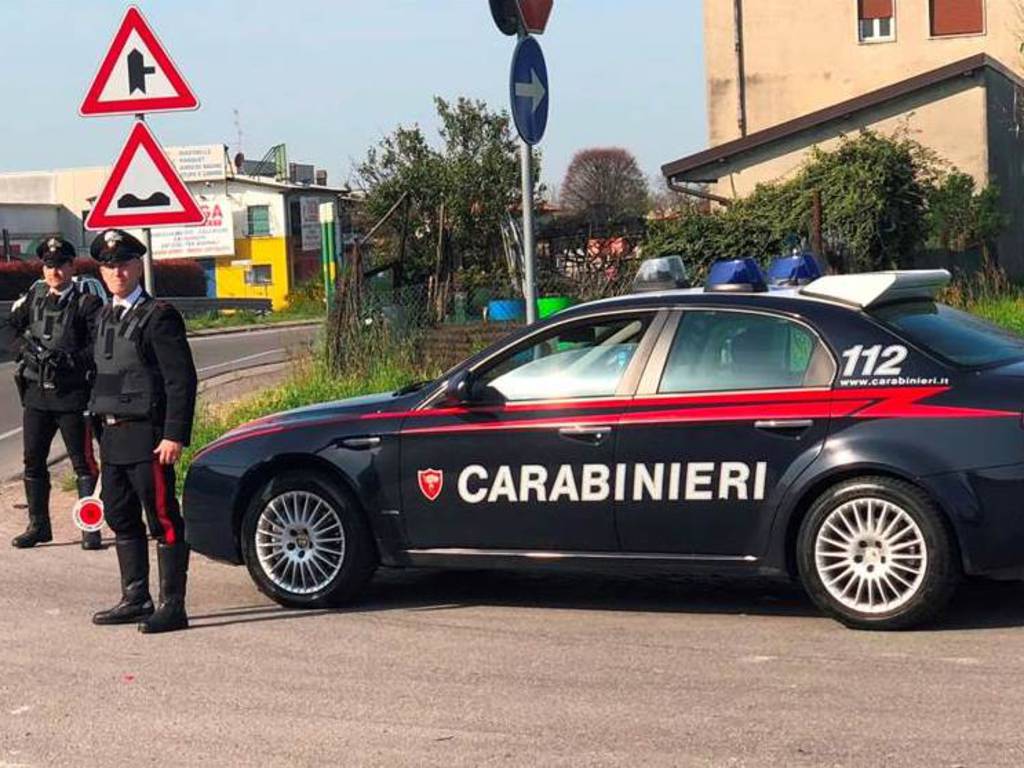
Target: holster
point(19, 381)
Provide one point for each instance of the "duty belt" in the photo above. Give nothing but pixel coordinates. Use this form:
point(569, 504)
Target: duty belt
point(113, 421)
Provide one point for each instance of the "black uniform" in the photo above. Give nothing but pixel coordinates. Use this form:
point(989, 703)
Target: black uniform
point(144, 392)
point(52, 337)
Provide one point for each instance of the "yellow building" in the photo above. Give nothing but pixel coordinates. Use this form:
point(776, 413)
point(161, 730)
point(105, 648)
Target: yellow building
point(275, 236)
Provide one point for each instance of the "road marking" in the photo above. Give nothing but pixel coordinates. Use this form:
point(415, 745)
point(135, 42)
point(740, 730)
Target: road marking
point(12, 433)
point(236, 360)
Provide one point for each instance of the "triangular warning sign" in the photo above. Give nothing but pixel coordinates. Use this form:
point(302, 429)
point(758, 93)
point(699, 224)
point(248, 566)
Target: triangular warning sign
point(137, 75)
point(144, 189)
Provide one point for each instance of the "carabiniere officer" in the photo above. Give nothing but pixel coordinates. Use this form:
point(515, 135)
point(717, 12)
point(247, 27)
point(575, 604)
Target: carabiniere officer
point(54, 325)
point(145, 395)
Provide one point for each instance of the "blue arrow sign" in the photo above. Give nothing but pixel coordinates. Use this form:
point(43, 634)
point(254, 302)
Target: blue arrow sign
point(528, 89)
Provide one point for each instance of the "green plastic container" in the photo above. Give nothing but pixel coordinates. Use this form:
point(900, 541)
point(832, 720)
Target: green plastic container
point(549, 305)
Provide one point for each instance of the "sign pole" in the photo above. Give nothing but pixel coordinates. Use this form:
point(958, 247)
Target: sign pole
point(528, 92)
point(327, 250)
point(147, 240)
point(529, 279)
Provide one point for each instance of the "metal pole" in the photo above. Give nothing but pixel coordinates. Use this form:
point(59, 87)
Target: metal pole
point(147, 240)
point(147, 263)
point(530, 286)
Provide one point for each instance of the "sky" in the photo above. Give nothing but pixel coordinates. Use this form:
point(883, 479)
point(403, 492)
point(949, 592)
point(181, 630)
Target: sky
point(329, 78)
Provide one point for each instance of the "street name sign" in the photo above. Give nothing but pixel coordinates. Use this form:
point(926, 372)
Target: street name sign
point(144, 189)
point(137, 75)
point(528, 88)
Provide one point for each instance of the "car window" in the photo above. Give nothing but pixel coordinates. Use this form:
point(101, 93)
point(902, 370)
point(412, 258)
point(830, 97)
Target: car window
point(717, 351)
point(581, 360)
point(954, 335)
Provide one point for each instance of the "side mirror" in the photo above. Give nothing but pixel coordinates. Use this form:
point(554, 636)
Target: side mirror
point(459, 388)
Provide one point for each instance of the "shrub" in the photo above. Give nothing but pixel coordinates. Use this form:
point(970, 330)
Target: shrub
point(16, 277)
point(883, 200)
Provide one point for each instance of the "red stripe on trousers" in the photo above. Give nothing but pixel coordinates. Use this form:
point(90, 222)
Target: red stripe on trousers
point(160, 488)
point(90, 455)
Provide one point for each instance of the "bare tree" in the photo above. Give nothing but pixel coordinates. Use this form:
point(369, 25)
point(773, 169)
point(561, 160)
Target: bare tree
point(604, 184)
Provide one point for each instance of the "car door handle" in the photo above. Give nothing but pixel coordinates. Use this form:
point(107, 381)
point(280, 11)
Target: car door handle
point(360, 443)
point(590, 435)
point(783, 425)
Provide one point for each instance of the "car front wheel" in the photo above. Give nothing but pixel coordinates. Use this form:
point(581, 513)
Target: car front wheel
point(305, 544)
point(875, 553)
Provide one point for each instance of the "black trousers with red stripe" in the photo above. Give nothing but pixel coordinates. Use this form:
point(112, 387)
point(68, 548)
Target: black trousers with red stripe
point(39, 429)
point(130, 489)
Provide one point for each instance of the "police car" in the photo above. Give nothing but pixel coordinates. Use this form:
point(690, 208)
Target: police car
point(848, 431)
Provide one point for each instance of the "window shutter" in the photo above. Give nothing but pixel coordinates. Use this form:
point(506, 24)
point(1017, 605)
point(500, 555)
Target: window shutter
point(875, 9)
point(957, 17)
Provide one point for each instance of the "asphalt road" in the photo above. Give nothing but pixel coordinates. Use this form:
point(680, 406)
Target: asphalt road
point(214, 355)
point(477, 668)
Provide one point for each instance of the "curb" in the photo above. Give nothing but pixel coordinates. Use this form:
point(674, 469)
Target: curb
point(240, 374)
point(253, 328)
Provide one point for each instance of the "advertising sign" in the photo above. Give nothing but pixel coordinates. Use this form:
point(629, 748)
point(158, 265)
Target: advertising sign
point(214, 237)
point(309, 211)
point(207, 162)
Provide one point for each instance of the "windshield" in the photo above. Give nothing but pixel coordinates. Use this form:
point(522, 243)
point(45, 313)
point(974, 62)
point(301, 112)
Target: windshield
point(957, 336)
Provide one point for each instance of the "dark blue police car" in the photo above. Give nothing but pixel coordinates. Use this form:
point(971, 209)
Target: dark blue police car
point(850, 432)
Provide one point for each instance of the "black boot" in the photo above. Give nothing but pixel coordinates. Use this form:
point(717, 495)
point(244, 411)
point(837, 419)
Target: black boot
point(170, 615)
point(37, 496)
point(87, 487)
point(133, 560)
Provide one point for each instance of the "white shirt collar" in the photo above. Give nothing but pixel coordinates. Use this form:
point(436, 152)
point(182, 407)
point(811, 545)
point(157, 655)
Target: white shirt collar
point(61, 295)
point(128, 301)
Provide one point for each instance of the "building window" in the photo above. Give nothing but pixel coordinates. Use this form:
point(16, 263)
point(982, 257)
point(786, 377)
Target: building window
point(876, 22)
point(259, 220)
point(259, 274)
point(957, 17)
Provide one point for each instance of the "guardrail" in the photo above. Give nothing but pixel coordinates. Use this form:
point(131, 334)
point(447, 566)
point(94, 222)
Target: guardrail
point(191, 306)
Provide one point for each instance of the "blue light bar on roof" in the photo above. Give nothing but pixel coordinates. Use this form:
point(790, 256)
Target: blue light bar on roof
point(740, 275)
point(797, 269)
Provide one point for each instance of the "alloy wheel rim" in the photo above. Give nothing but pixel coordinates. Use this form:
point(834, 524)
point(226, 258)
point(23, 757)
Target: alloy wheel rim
point(871, 555)
point(300, 542)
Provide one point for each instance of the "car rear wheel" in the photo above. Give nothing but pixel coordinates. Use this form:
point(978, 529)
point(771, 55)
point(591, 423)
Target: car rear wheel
point(875, 553)
point(305, 544)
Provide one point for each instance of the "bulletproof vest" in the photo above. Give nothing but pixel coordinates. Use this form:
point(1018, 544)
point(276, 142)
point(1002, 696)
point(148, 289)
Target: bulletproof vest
point(49, 324)
point(125, 386)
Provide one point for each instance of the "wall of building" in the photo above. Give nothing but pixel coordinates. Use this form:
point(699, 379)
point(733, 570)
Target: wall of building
point(255, 252)
point(951, 116)
point(28, 223)
point(801, 56)
point(28, 188)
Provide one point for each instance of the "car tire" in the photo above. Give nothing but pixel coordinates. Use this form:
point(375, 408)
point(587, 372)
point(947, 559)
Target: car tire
point(306, 543)
point(876, 553)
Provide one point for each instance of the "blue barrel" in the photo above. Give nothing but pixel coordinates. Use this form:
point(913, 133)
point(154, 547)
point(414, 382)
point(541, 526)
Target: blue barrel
point(506, 310)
